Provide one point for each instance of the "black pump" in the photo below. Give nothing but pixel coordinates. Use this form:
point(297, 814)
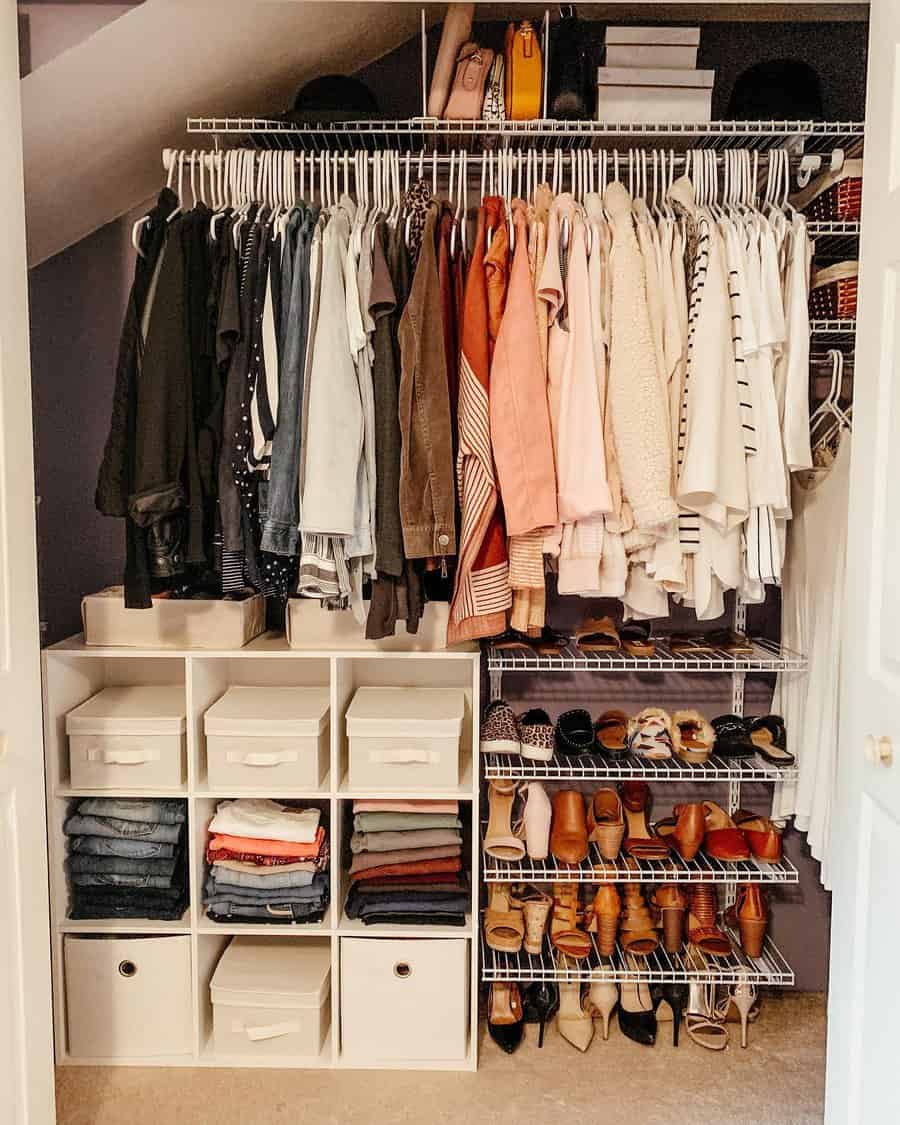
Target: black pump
point(541, 1002)
point(637, 1013)
point(505, 1016)
point(676, 996)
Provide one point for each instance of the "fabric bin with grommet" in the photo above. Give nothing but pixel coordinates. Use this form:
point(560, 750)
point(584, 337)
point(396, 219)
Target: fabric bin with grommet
point(270, 996)
point(404, 999)
point(128, 997)
point(273, 738)
point(405, 737)
point(128, 738)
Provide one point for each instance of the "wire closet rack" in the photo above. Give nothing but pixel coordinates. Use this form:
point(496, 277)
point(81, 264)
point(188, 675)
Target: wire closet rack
point(688, 967)
point(429, 133)
point(587, 767)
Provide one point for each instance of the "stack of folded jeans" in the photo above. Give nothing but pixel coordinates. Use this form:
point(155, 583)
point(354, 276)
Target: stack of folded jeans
point(268, 863)
point(407, 863)
point(127, 858)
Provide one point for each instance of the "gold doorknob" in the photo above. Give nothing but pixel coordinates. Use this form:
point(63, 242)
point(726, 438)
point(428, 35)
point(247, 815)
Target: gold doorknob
point(880, 751)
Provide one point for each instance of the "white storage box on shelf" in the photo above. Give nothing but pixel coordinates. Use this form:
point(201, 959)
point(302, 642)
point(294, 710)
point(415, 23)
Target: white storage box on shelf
point(268, 737)
point(172, 622)
point(404, 999)
point(128, 997)
point(405, 737)
point(644, 96)
point(309, 626)
point(271, 996)
point(670, 47)
point(128, 738)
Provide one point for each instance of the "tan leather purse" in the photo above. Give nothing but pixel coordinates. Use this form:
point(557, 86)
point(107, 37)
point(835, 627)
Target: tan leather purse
point(467, 95)
point(524, 72)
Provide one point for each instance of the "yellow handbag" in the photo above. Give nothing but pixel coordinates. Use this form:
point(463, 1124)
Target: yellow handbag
point(524, 72)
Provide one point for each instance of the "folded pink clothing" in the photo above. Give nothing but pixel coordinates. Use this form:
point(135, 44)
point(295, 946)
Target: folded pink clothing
point(366, 860)
point(222, 841)
point(379, 805)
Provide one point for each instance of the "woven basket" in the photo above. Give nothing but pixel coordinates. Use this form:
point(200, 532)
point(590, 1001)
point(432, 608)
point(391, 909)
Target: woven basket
point(842, 202)
point(836, 300)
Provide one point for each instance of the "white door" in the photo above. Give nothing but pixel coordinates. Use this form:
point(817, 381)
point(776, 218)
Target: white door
point(864, 994)
point(26, 1043)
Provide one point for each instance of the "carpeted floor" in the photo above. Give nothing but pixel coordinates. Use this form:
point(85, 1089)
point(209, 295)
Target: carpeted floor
point(780, 1078)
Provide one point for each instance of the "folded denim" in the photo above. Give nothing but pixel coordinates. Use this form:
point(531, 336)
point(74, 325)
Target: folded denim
point(147, 810)
point(225, 878)
point(165, 912)
point(79, 825)
point(403, 822)
point(412, 805)
point(119, 865)
point(366, 860)
point(214, 855)
point(108, 845)
point(134, 896)
point(441, 884)
point(380, 918)
point(265, 820)
point(280, 915)
point(394, 841)
point(250, 896)
point(359, 907)
point(154, 882)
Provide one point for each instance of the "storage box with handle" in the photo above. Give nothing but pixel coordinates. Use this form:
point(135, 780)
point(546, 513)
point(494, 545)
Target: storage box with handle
point(404, 1000)
point(669, 47)
point(129, 737)
point(405, 737)
point(272, 738)
point(646, 96)
point(128, 997)
point(270, 996)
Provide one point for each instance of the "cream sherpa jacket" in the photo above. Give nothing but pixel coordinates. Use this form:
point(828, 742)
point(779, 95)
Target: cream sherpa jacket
point(639, 413)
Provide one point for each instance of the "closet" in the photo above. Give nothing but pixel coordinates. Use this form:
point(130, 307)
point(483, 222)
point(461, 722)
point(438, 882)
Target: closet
point(243, 159)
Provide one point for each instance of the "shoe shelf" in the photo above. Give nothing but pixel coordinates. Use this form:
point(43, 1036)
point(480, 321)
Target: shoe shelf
point(834, 331)
point(596, 869)
point(587, 767)
point(835, 240)
point(689, 967)
point(767, 656)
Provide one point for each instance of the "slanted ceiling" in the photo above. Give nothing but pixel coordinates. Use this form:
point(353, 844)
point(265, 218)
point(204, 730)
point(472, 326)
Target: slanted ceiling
point(96, 118)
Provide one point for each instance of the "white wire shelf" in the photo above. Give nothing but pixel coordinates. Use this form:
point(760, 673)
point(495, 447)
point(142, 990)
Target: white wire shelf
point(690, 966)
point(596, 869)
point(767, 656)
point(589, 767)
point(419, 132)
point(834, 331)
point(835, 240)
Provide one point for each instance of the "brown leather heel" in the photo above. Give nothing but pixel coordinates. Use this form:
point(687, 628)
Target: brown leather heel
point(671, 902)
point(639, 841)
point(636, 928)
point(751, 913)
point(685, 830)
point(568, 834)
point(605, 918)
point(564, 932)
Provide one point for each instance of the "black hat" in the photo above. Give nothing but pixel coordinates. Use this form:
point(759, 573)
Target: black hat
point(330, 99)
point(777, 90)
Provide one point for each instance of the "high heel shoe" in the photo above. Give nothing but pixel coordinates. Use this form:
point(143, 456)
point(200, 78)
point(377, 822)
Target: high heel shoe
point(605, 918)
point(700, 1021)
point(536, 906)
point(606, 822)
point(637, 1018)
point(568, 835)
point(499, 840)
point(536, 819)
point(564, 932)
point(685, 830)
point(750, 914)
point(504, 924)
point(702, 929)
point(636, 929)
point(639, 841)
point(602, 999)
point(670, 1001)
point(743, 995)
point(671, 901)
point(541, 1001)
point(505, 1025)
point(573, 1019)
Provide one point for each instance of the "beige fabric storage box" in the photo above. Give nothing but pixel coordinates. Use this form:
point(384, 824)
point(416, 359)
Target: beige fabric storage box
point(171, 622)
point(646, 96)
point(670, 47)
point(310, 627)
point(404, 999)
point(128, 997)
point(272, 997)
point(268, 737)
point(128, 738)
point(405, 737)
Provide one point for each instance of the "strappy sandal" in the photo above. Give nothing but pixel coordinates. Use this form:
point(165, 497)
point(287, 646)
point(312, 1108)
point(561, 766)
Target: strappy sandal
point(604, 922)
point(606, 822)
point(769, 736)
point(639, 841)
point(651, 735)
point(637, 933)
point(703, 932)
point(611, 734)
point(499, 839)
point(635, 637)
point(564, 932)
point(701, 1021)
point(504, 925)
point(536, 906)
point(598, 634)
point(695, 737)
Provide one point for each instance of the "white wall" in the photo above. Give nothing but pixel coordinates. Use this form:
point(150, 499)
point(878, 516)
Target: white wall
point(54, 28)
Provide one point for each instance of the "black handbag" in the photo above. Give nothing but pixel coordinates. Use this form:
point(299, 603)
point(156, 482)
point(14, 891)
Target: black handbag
point(570, 85)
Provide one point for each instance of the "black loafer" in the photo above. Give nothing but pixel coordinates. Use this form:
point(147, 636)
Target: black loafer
point(732, 737)
point(574, 733)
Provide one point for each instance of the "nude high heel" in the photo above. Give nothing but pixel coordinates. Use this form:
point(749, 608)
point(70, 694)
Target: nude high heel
point(743, 994)
point(573, 1020)
point(602, 999)
point(536, 820)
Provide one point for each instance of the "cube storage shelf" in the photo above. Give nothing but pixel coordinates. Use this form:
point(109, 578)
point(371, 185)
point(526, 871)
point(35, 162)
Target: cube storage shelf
point(73, 672)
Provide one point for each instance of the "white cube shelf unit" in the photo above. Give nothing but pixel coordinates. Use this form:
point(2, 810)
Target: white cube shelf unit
point(73, 672)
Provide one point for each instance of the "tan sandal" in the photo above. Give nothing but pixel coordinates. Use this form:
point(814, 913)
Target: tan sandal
point(598, 634)
point(499, 840)
point(702, 930)
point(637, 931)
point(536, 906)
point(605, 912)
point(694, 737)
point(564, 932)
point(606, 822)
point(504, 924)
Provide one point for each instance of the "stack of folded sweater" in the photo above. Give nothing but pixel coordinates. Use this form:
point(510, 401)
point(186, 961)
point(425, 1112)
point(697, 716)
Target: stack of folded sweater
point(127, 858)
point(268, 863)
point(407, 863)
